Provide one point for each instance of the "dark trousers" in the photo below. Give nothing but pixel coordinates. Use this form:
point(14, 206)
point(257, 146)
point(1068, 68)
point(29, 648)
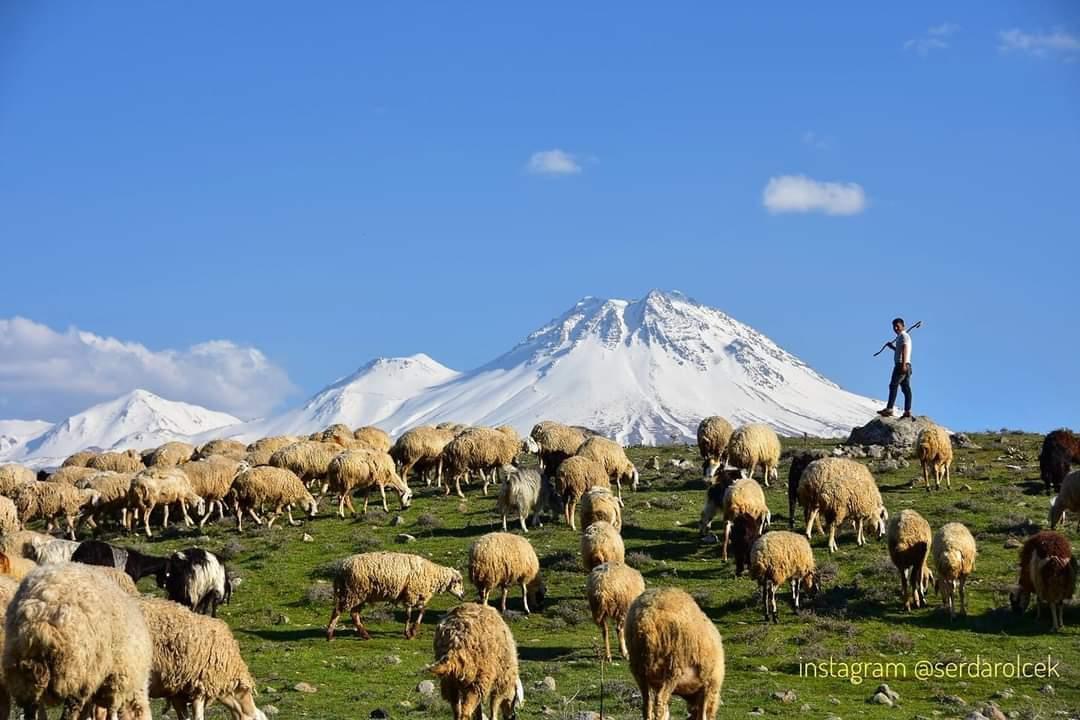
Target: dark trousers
point(901, 380)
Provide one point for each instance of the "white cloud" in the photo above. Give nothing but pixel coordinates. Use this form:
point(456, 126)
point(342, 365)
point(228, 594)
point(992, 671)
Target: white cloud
point(553, 162)
point(1038, 44)
point(50, 374)
point(936, 37)
point(798, 193)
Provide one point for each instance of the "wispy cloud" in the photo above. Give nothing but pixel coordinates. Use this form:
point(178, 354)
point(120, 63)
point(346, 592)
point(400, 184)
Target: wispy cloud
point(935, 38)
point(1038, 44)
point(813, 140)
point(553, 162)
point(50, 374)
point(800, 194)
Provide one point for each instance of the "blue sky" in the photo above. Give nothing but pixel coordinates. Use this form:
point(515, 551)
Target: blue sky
point(349, 180)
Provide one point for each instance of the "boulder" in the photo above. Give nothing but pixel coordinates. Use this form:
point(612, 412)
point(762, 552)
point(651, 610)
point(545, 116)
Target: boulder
point(893, 432)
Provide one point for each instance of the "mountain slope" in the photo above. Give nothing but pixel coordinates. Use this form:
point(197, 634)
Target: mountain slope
point(14, 433)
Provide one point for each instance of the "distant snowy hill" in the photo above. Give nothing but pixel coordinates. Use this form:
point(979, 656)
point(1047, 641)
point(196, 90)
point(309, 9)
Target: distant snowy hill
point(15, 433)
point(643, 371)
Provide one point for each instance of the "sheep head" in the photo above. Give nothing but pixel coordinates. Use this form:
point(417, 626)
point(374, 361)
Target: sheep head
point(811, 583)
point(406, 497)
point(311, 504)
point(537, 591)
point(456, 586)
point(882, 518)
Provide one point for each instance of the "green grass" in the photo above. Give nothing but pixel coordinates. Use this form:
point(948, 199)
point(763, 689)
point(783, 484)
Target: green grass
point(280, 611)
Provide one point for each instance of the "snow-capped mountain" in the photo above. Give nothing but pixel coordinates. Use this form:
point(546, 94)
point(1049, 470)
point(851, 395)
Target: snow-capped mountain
point(138, 419)
point(14, 433)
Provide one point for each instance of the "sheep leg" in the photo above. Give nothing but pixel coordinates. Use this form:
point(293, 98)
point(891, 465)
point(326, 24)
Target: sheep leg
point(607, 642)
point(620, 628)
point(904, 588)
point(146, 518)
point(184, 512)
point(408, 621)
point(811, 518)
point(288, 514)
point(468, 703)
point(71, 527)
point(72, 710)
point(727, 537)
point(358, 623)
point(926, 475)
point(765, 598)
point(382, 491)
point(662, 702)
point(772, 602)
point(859, 540)
point(484, 478)
point(483, 596)
point(504, 522)
point(571, 514)
point(525, 597)
point(963, 594)
point(795, 592)
point(505, 592)
point(521, 519)
point(832, 537)
point(198, 707)
point(341, 505)
point(348, 504)
point(256, 518)
point(417, 621)
point(457, 487)
point(948, 478)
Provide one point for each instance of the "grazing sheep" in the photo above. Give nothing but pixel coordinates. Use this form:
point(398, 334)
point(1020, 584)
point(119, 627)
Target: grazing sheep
point(601, 543)
point(78, 459)
point(308, 459)
point(935, 451)
point(612, 457)
point(476, 663)
point(480, 450)
point(338, 433)
point(118, 576)
point(24, 543)
point(421, 446)
point(112, 489)
point(714, 497)
point(74, 638)
point(134, 563)
point(171, 454)
point(363, 470)
point(600, 504)
point(276, 487)
point(744, 533)
point(232, 449)
point(57, 551)
point(8, 586)
point(9, 516)
point(260, 451)
point(713, 435)
point(13, 476)
point(399, 578)
point(778, 557)
point(744, 499)
point(374, 438)
point(15, 566)
point(211, 478)
point(499, 560)
point(753, 445)
point(121, 462)
point(196, 661)
point(573, 478)
point(51, 501)
point(196, 579)
point(556, 442)
point(1048, 571)
point(954, 552)
point(839, 490)
point(1059, 450)
point(1067, 499)
point(73, 474)
point(519, 495)
point(799, 464)
point(674, 650)
point(909, 538)
point(610, 589)
point(163, 486)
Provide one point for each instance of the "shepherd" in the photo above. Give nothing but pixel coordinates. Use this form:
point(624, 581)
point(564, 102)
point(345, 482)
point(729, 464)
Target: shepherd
point(901, 374)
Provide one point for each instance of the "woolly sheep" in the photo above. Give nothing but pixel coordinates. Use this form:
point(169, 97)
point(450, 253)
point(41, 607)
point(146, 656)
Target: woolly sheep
point(1048, 571)
point(15, 566)
point(1059, 450)
point(260, 451)
point(610, 590)
point(171, 454)
point(953, 550)
point(601, 543)
point(118, 576)
point(57, 551)
point(399, 578)
point(112, 489)
point(713, 435)
point(909, 539)
point(51, 501)
point(73, 474)
point(745, 499)
point(421, 446)
point(480, 450)
point(502, 560)
point(1067, 500)
point(78, 459)
point(211, 478)
point(9, 516)
point(14, 476)
point(338, 433)
point(8, 586)
point(363, 470)
point(573, 478)
point(674, 650)
point(599, 503)
point(308, 459)
point(799, 463)
point(196, 661)
point(612, 457)
point(196, 579)
point(778, 557)
point(935, 451)
point(24, 543)
point(753, 445)
point(374, 438)
point(518, 495)
point(161, 485)
point(51, 656)
point(126, 461)
point(275, 487)
point(714, 498)
point(476, 663)
point(233, 449)
point(838, 490)
point(555, 442)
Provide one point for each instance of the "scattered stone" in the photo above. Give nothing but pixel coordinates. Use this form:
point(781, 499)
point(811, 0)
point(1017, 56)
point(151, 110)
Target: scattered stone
point(834, 700)
point(1047, 689)
point(270, 710)
point(709, 539)
point(805, 707)
point(281, 619)
point(1012, 543)
point(307, 538)
point(961, 440)
point(268, 690)
point(952, 700)
point(546, 710)
point(426, 688)
point(975, 715)
point(548, 683)
point(762, 668)
point(405, 538)
point(405, 705)
point(757, 711)
point(1014, 468)
point(393, 660)
point(378, 714)
point(398, 520)
point(890, 432)
point(881, 699)
point(876, 452)
point(889, 465)
point(1004, 694)
point(304, 687)
point(786, 696)
point(993, 712)
point(888, 692)
point(587, 715)
point(654, 463)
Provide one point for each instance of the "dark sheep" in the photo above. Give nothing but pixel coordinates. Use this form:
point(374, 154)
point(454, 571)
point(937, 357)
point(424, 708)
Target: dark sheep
point(196, 579)
point(798, 465)
point(133, 562)
point(744, 533)
point(1060, 449)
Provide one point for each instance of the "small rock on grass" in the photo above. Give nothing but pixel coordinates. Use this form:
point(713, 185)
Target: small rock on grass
point(426, 687)
point(405, 538)
point(304, 687)
point(1012, 543)
point(785, 696)
point(548, 683)
point(307, 538)
point(888, 692)
point(882, 699)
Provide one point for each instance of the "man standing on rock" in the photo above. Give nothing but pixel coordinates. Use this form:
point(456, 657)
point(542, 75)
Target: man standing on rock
point(901, 374)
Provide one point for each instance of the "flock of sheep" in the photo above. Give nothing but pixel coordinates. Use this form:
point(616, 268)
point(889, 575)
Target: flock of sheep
point(174, 649)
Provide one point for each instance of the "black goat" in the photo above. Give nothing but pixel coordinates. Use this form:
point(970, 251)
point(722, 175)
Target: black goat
point(133, 562)
point(196, 579)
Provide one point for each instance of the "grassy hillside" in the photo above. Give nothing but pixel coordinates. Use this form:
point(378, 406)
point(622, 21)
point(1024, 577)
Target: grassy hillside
point(280, 611)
